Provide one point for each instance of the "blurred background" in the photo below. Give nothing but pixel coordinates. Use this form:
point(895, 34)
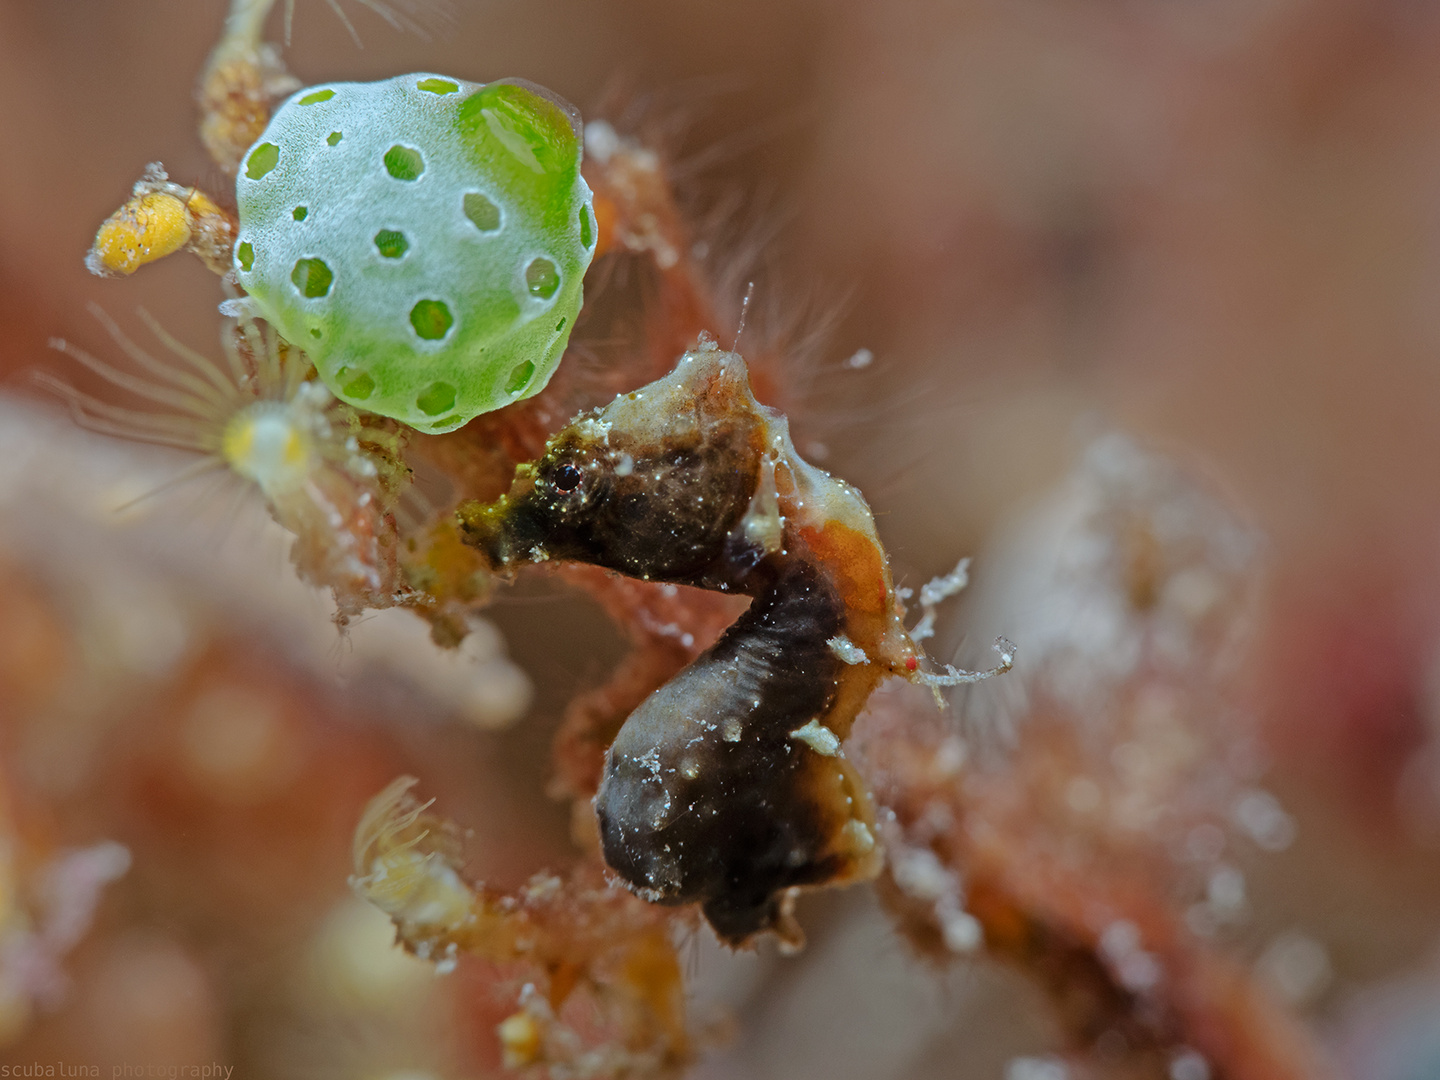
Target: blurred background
point(1213, 226)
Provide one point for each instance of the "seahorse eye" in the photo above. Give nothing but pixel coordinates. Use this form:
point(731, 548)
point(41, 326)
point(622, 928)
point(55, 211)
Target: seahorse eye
point(567, 478)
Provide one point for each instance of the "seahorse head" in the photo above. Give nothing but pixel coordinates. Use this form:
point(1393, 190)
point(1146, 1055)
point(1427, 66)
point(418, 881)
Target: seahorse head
point(652, 485)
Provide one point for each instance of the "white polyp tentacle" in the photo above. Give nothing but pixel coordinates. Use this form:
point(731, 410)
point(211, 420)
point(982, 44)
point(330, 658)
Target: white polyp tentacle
point(239, 307)
point(953, 676)
point(933, 592)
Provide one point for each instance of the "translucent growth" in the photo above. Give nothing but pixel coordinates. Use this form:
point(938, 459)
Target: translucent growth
point(1132, 569)
point(159, 219)
point(423, 238)
point(45, 910)
point(329, 475)
point(1132, 588)
point(586, 947)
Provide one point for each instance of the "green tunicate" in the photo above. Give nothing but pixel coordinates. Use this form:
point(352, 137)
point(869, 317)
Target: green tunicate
point(441, 296)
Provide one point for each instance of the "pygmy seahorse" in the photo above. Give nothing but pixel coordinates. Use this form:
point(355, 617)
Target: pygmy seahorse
point(728, 786)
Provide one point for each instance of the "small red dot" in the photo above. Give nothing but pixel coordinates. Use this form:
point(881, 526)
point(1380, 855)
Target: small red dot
point(911, 663)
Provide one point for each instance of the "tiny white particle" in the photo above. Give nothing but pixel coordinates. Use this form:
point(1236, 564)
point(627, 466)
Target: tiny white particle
point(847, 650)
point(818, 737)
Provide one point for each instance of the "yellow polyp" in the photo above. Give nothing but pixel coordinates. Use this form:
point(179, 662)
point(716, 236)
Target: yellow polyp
point(201, 205)
point(420, 890)
point(519, 1040)
point(264, 445)
point(148, 227)
point(401, 867)
point(237, 442)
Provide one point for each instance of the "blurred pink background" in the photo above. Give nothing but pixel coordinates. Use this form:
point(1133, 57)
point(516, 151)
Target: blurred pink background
point(1214, 226)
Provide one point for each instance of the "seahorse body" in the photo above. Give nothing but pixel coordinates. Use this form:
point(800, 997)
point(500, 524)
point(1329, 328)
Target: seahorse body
point(728, 786)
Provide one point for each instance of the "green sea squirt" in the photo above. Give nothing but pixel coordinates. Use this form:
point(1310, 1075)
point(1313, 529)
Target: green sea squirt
point(422, 238)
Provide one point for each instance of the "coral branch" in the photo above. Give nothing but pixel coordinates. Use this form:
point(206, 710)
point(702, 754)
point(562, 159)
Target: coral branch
point(1047, 838)
point(1131, 985)
point(572, 936)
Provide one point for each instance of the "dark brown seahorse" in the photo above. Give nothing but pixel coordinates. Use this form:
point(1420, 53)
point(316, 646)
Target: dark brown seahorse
point(728, 786)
